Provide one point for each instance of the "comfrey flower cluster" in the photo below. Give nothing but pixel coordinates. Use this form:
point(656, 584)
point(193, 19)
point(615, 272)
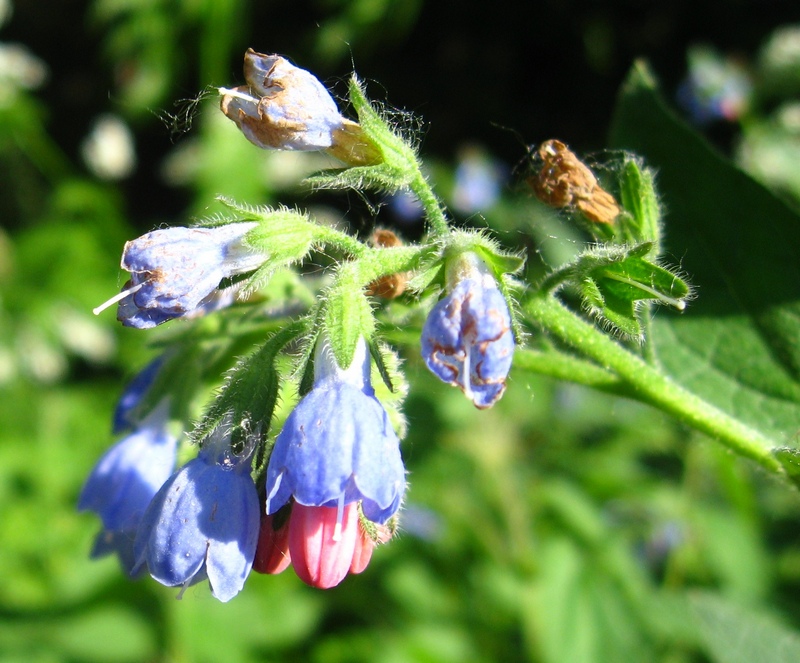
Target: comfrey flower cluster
point(328, 488)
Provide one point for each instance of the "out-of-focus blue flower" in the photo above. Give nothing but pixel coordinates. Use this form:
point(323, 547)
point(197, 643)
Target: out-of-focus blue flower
point(124, 418)
point(124, 481)
point(715, 88)
point(204, 522)
point(282, 107)
point(477, 182)
point(405, 206)
point(467, 340)
point(338, 445)
point(176, 271)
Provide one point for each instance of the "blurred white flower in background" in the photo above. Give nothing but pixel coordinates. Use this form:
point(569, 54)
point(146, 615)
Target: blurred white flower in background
point(108, 150)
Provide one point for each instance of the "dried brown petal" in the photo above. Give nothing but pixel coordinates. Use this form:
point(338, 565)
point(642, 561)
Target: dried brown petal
point(565, 181)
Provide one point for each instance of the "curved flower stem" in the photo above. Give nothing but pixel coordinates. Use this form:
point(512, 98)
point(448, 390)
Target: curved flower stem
point(340, 240)
point(648, 384)
point(434, 211)
point(563, 366)
point(556, 278)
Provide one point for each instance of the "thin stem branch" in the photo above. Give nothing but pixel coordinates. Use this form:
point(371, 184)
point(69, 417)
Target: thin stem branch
point(562, 366)
point(340, 240)
point(434, 210)
point(648, 384)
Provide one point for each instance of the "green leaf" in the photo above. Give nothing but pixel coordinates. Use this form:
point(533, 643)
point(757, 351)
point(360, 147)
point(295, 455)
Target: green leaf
point(733, 634)
point(613, 280)
point(736, 346)
point(581, 613)
point(500, 262)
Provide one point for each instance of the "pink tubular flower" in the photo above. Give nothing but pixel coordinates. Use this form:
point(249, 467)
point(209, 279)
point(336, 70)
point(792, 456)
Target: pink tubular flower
point(362, 553)
point(272, 551)
point(322, 543)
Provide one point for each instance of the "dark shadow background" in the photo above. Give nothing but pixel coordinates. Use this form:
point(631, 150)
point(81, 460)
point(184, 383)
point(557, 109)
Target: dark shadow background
point(541, 69)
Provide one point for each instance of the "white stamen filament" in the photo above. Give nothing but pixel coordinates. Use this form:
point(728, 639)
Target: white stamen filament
point(337, 529)
point(235, 93)
point(466, 385)
point(122, 295)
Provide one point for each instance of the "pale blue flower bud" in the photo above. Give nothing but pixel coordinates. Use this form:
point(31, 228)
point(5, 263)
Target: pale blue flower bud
point(467, 340)
point(175, 272)
point(283, 107)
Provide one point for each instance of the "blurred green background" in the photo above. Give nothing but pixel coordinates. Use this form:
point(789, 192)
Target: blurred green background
point(562, 525)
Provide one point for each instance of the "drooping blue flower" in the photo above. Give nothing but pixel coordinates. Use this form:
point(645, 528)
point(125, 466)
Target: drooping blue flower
point(204, 522)
point(467, 340)
point(124, 481)
point(283, 107)
point(338, 445)
point(124, 413)
point(176, 271)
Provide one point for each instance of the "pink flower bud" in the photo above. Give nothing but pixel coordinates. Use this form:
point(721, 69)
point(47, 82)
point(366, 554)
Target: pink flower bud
point(322, 540)
point(272, 551)
point(363, 552)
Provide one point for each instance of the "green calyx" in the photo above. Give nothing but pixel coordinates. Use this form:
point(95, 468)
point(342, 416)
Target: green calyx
point(612, 282)
point(641, 220)
point(379, 158)
point(459, 255)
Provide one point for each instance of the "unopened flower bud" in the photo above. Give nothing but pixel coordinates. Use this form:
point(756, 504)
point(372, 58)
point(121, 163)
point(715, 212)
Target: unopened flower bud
point(272, 551)
point(174, 271)
point(467, 340)
point(322, 540)
point(282, 107)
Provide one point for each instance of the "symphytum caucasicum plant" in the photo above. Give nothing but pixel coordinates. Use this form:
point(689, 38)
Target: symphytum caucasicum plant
point(323, 491)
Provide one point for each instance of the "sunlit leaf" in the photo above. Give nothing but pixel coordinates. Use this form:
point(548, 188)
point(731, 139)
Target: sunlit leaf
point(736, 345)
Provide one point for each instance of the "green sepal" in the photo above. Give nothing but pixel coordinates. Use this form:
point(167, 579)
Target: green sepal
point(348, 317)
point(392, 388)
point(612, 280)
point(641, 220)
point(381, 178)
point(249, 393)
point(429, 274)
point(397, 152)
point(380, 364)
point(499, 262)
point(283, 236)
point(396, 166)
point(305, 362)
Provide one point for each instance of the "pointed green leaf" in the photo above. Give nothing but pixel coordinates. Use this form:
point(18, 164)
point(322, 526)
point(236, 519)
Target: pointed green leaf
point(250, 390)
